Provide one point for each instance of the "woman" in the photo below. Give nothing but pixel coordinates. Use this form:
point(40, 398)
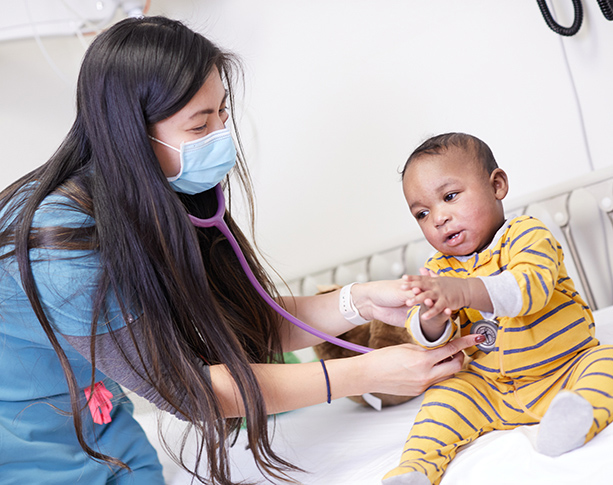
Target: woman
point(105, 280)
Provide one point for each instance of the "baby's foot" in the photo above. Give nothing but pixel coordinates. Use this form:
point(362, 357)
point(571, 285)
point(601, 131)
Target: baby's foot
point(411, 478)
point(565, 424)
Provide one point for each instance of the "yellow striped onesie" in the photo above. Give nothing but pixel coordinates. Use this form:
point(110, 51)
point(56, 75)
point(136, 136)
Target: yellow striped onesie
point(544, 343)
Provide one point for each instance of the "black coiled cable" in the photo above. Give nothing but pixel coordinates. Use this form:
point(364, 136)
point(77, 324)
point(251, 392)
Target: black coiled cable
point(556, 27)
point(606, 6)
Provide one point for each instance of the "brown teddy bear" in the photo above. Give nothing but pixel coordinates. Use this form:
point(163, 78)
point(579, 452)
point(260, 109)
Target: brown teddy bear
point(373, 334)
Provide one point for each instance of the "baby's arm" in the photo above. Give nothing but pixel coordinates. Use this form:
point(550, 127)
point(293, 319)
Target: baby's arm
point(535, 259)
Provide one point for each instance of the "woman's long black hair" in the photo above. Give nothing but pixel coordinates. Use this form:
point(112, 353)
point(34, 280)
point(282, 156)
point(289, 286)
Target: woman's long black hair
point(195, 300)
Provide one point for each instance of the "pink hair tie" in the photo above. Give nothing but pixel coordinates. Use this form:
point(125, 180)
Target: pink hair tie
point(99, 403)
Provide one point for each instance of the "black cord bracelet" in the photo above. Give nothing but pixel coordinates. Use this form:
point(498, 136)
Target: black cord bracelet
point(323, 364)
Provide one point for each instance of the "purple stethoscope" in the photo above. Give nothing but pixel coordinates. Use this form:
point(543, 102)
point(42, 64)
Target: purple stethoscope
point(218, 222)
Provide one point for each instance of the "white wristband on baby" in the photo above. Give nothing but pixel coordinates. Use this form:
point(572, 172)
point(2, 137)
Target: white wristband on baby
point(347, 308)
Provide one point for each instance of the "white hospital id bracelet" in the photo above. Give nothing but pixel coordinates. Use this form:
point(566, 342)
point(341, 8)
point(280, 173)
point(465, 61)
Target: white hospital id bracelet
point(347, 308)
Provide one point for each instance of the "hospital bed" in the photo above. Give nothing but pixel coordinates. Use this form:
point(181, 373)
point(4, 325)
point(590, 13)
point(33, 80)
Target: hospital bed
point(345, 443)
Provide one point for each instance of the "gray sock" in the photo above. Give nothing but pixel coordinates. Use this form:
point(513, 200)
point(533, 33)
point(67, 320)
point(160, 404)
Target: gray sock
point(565, 424)
point(411, 478)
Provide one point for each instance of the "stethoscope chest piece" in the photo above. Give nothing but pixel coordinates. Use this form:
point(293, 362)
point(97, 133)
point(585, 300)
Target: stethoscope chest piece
point(489, 329)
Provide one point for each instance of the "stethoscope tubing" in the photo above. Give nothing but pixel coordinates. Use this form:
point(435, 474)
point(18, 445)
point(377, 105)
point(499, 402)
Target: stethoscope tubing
point(218, 222)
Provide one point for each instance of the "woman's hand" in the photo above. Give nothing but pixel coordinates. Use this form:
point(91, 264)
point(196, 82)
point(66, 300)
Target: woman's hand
point(408, 370)
point(383, 300)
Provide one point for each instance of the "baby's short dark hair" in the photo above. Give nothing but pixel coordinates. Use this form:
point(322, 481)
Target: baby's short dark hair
point(440, 143)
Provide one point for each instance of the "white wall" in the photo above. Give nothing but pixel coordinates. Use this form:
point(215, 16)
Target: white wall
point(338, 94)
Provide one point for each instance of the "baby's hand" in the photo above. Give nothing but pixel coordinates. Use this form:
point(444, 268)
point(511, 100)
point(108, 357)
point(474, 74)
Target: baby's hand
point(427, 272)
point(440, 294)
point(429, 303)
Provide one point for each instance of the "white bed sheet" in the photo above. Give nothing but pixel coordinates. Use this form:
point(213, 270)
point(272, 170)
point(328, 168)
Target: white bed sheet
point(343, 443)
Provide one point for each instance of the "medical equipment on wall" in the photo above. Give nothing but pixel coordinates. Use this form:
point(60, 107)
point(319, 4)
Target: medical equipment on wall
point(606, 7)
point(218, 222)
point(41, 18)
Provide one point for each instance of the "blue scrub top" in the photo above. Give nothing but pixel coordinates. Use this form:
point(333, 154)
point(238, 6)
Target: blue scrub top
point(37, 442)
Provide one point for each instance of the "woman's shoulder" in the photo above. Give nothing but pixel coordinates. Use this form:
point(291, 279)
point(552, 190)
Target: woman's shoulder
point(58, 209)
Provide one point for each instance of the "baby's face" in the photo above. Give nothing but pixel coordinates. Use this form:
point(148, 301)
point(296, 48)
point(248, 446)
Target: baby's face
point(455, 202)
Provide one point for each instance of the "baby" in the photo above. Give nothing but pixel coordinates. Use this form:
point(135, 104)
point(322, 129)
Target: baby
point(506, 279)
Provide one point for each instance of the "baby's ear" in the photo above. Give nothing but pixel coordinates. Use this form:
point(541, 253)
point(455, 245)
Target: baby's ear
point(500, 183)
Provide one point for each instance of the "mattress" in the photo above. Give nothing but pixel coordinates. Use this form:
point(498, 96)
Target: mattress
point(344, 443)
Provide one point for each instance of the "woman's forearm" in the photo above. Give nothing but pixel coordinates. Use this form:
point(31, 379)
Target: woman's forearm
point(381, 300)
point(291, 386)
point(320, 312)
point(403, 370)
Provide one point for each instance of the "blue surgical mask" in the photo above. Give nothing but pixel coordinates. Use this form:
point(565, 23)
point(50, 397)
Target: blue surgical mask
point(204, 162)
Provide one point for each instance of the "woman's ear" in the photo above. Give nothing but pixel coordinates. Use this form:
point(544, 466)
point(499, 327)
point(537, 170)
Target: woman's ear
point(500, 183)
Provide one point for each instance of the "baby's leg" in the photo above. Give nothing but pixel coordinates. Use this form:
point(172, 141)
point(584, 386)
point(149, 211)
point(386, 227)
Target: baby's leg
point(583, 408)
point(454, 413)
